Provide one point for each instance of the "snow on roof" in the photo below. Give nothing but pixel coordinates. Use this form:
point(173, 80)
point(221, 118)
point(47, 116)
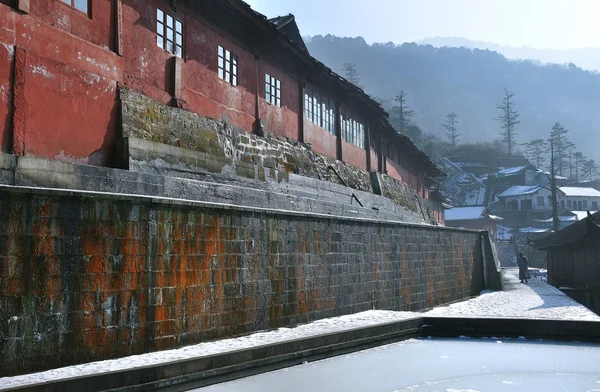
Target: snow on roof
point(579, 215)
point(548, 174)
point(560, 218)
point(533, 230)
point(577, 191)
point(518, 190)
point(464, 213)
point(511, 170)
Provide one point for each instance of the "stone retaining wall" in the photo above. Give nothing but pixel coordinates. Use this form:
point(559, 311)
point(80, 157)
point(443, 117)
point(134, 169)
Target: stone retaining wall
point(91, 276)
point(231, 152)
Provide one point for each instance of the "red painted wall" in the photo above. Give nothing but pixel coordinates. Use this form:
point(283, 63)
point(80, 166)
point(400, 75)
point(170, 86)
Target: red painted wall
point(82, 108)
point(64, 87)
point(282, 120)
point(320, 140)
point(96, 27)
point(150, 69)
point(7, 50)
point(354, 155)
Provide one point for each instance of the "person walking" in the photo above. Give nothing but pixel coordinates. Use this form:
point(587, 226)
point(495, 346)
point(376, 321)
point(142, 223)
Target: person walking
point(523, 264)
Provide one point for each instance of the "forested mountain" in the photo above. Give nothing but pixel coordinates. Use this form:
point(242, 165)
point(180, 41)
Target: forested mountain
point(586, 58)
point(470, 83)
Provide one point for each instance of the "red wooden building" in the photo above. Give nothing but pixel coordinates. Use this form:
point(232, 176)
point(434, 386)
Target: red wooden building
point(62, 62)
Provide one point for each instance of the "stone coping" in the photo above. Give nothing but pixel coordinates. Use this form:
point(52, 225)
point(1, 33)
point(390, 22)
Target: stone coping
point(57, 192)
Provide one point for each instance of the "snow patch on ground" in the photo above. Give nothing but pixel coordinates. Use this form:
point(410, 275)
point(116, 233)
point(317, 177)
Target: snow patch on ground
point(335, 324)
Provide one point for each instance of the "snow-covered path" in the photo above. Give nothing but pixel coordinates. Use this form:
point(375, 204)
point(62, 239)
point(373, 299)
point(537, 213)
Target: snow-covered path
point(534, 300)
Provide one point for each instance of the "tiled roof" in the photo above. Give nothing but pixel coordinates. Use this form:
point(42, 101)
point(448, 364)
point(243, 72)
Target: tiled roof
point(464, 213)
point(577, 191)
point(519, 190)
point(586, 229)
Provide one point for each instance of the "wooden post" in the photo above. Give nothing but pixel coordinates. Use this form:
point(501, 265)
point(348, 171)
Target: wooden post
point(338, 131)
point(302, 85)
point(119, 28)
point(367, 144)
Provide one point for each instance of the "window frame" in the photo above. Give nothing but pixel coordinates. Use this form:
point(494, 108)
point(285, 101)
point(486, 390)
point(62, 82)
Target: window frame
point(71, 3)
point(162, 39)
point(227, 66)
point(271, 83)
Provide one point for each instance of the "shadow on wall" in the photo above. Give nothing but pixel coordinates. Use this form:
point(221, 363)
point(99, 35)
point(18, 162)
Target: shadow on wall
point(109, 154)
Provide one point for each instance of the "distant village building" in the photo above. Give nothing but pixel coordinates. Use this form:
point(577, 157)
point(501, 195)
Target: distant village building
point(573, 260)
point(473, 217)
point(63, 64)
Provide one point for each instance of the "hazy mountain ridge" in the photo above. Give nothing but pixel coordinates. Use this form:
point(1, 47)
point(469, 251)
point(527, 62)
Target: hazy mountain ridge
point(586, 58)
point(470, 82)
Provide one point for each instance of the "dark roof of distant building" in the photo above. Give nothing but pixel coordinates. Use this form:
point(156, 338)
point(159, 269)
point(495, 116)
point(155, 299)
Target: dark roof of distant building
point(573, 235)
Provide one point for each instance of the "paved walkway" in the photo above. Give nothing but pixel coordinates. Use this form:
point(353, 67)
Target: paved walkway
point(535, 300)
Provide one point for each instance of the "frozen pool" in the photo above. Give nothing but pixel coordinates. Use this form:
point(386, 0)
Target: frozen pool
point(448, 365)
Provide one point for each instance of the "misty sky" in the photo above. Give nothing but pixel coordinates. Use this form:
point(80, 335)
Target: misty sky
point(556, 24)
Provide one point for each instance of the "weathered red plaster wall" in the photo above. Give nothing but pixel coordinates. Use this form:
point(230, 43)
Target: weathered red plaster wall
point(204, 91)
point(400, 173)
point(71, 114)
point(64, 87)
point(150, 69)
point(354, 155)
point(282, 121)
point(90, 278)
point(7, 54)
point(97, 29)
point(320, 140)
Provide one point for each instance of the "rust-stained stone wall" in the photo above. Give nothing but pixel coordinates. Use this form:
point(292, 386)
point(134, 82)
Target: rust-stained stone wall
point(87, 277)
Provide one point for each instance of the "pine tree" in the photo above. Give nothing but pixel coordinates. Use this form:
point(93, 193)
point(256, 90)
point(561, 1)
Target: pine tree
point(590, 169)
point(579, 160)
point(351, 73)
point(509, 119)
point(535, 151)
point(560, 144)
point(452, 132)
point(402, 112)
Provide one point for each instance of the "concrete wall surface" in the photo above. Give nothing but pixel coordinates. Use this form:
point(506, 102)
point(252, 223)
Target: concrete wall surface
point(91, 276)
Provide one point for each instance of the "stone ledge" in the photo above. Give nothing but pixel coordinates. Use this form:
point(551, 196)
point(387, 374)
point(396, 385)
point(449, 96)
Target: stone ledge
point(184, 375)
point(58, 192)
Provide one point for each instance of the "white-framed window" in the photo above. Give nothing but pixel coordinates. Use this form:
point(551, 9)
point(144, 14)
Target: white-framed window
point(595, 205)
point(228, 66)
point(585, 204)
point(319, 111)
point(308, 104)
point(569, 203)
point(352, 131)
point(81, 5)
point(328, 116)
point(540, 201)
point(169, 33)
point(273, 90)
